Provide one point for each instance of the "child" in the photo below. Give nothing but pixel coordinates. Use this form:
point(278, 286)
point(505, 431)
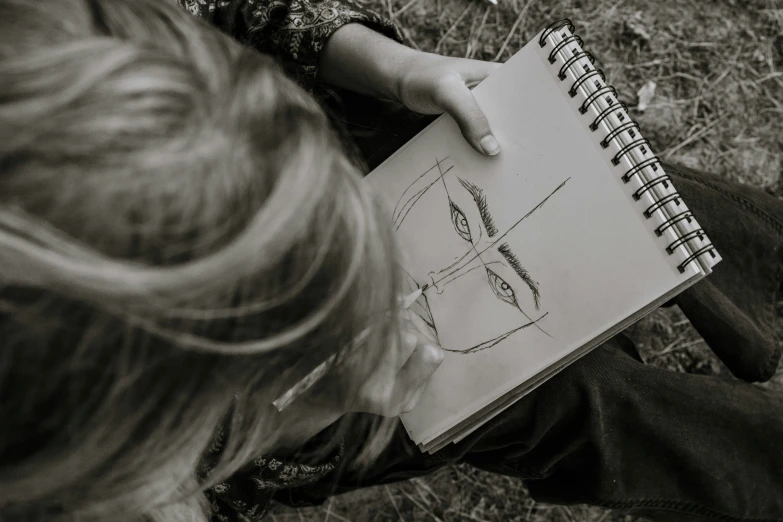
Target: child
point(181, 239)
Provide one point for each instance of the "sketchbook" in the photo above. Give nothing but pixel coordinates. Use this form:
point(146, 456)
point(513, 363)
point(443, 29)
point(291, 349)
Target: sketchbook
point(531, 258)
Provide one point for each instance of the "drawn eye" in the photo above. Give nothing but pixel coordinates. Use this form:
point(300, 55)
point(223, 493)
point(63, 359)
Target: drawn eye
point(460, 222)
point(502, 290)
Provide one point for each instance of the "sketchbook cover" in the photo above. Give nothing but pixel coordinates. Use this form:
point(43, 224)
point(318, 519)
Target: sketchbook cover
point(527, 255)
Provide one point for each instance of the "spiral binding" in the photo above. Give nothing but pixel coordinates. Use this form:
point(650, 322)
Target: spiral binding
point(583, 72)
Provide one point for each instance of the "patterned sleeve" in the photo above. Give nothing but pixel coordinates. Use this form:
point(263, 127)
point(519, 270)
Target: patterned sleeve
point(246, 496)
point(293, 30)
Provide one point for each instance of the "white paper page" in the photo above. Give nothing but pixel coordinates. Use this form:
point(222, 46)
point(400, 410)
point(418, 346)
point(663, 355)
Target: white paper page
point(513, 297)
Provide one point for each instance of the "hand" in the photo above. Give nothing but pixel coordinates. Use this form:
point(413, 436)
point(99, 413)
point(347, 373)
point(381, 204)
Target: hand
point(359, 59)
point(397, 382)
point(433, 84)
point(391, 388)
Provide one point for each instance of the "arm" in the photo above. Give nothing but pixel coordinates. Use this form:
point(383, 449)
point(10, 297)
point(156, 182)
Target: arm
point(295, 31)
point(346, 45)
point(362, 60)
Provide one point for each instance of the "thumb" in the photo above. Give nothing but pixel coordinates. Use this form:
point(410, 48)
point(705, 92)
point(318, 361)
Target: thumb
point(458, 101)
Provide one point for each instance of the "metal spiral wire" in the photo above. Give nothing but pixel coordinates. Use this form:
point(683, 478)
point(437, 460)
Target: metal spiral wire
point(631, 127)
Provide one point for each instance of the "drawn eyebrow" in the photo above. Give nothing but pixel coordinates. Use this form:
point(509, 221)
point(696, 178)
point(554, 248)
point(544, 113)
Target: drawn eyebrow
point(481, 202)
point(513, 260)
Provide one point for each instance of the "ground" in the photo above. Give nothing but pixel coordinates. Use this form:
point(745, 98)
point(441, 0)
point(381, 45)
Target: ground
point(718, 106)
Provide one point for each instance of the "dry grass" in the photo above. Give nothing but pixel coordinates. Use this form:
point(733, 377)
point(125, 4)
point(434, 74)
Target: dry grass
point(718, 106)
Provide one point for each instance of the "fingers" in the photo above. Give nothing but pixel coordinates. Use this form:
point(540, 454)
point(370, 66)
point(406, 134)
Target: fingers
point(397, 383)
point(416, 372)
point(421, 327)
point(392, 360)
point(410, 340)
point(458, 101)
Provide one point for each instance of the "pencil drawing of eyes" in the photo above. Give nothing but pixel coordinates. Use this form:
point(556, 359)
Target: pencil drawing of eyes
point(481, 204)
point(513, 261)
point(460, 222)
point(502, 290)
point(456, 271)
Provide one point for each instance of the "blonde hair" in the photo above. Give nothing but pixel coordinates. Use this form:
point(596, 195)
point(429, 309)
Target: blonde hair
point(181, 239)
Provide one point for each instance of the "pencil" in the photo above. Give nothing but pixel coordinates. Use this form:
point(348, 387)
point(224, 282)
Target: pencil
point(314, 376)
